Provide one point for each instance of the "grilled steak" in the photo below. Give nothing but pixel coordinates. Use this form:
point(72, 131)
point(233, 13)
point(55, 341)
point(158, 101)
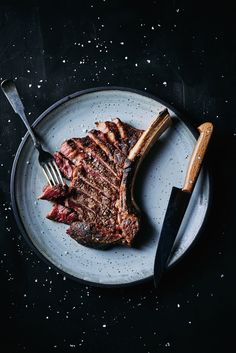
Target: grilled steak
point(98, 205)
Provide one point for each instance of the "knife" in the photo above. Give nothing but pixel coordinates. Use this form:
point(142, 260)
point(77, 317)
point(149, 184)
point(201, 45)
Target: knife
point(178, 202)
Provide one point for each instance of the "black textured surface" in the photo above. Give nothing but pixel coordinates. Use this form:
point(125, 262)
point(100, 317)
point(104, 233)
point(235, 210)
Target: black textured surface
point(181, 51)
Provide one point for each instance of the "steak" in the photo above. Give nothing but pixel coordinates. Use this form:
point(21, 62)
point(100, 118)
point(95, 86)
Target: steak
point(101, 168)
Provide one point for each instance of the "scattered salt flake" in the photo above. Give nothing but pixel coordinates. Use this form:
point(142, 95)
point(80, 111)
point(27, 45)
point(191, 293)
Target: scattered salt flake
point(28, 71)
point(72, 345)
point(178, 305)
point(136, 64)
point(126, 57)
point(152, 28)
point(104, 325)
point(36, 280)
point(46, 317)
point(30, 85)
point(148, 61)
point(222, 275)
point(167, 344)
point(9, 121)
point(164, 83)
point(122, 43)
point(64, 278)
point(63, 61)
point(177, 10)
point(39, 86)
point(190, 322)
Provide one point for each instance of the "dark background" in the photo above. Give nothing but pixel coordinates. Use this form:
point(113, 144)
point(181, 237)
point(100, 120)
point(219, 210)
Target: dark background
point(53, 49)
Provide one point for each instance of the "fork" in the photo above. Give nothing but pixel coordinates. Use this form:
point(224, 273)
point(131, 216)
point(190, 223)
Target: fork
point(46, 160)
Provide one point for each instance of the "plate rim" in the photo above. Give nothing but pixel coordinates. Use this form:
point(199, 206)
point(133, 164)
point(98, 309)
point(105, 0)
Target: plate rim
point(19, 222)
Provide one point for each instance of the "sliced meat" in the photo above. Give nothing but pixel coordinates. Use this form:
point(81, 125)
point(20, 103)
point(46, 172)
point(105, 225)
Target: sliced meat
point(60, 213)
point(55, 192)
point(66, 167)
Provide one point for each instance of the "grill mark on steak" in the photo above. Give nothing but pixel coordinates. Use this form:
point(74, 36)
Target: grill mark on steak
point(94, 169)
point(98, 184)
point(92, 149)
point(92, 165)
point(121, 128)
point(82, 185)
point(90, 212)
point(84, 213)
point(111, 151)
point(112, 135)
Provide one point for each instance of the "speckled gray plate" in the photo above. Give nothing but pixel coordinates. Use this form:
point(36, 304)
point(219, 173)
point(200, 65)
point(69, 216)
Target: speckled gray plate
point(164, 167)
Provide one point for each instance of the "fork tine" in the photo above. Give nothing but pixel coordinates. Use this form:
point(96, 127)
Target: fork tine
point(56, 179)
point(58, 172)
point(45, 173)
point(49, 174)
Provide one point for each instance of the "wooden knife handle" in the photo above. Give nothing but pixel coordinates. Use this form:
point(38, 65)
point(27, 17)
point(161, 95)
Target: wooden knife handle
point(196, 160)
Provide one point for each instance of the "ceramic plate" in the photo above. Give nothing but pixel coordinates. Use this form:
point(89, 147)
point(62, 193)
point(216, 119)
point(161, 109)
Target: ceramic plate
point(163, 168)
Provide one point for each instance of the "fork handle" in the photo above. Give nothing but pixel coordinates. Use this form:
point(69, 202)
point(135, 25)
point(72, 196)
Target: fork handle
point(10, 91)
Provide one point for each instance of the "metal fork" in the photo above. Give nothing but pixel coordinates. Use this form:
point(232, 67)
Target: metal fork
point(46, 160)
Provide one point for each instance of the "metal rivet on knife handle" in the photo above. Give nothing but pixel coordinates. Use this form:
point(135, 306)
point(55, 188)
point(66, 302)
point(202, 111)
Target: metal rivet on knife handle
point(195, 163)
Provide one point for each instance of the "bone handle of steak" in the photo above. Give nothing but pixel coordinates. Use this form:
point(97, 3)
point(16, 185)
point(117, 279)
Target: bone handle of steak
point(196, 160)
point(149, 136)
point(140, 149)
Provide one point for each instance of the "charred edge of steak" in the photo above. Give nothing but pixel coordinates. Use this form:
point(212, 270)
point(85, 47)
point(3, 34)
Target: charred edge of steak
point(128, 214)
point(65, 165)
point(133, 135)
point(88, 235)
point(55, 192)
point(60, 213)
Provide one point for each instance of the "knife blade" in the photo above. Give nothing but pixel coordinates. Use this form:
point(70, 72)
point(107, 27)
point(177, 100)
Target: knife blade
point(178, 203)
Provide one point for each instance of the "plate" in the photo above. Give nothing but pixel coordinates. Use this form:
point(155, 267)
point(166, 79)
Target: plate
point(164, 167)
